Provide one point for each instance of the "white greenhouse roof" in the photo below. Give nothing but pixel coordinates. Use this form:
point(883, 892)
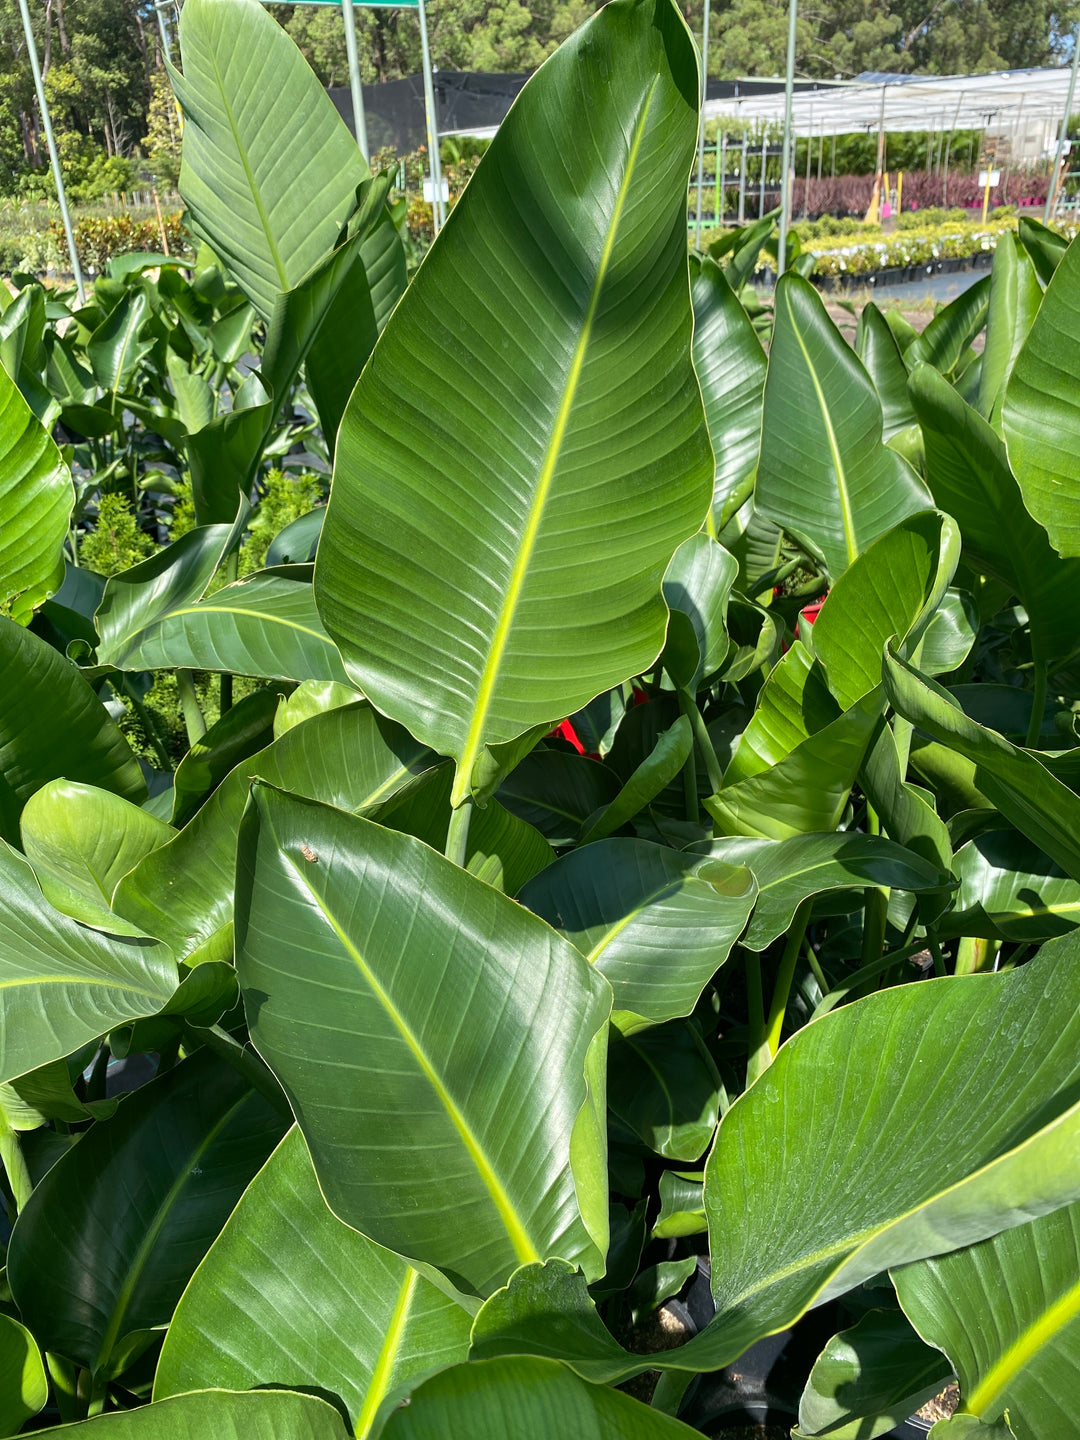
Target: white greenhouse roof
point(997, 101)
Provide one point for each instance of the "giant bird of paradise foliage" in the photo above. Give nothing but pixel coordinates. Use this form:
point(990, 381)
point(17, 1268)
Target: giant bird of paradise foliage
point(574, 906)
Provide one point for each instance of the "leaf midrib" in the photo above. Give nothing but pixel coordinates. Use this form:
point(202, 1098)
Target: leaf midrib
point(474, 737)
point(1040, 1333)
point(847, 519)
point(519, 1237)
point(256, 194)
point(380, 1376)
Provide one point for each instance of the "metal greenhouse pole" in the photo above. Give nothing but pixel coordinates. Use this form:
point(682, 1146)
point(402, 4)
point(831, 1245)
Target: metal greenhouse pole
point(1051, 194)
point(438, 213)
point(54, 159)
point(701, 123)
point(785, 174)
point(356, 90)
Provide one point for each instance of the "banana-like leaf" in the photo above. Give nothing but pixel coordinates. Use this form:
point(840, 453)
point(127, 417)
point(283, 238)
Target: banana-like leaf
point(225, 1414)
point(24, 1388)
point(244, 729)
point(266, 626)
point(529, 1399)
point(730, 365)
point(289, 1296)
point(1010, 890)
point(663, 1084)
point(115, 348)
point(825, 475)
point(893, 588)
point(52, 724)
point(951, 633)
point(88, 838)
point(869, 1379)
point(907, 812)
point(63, 984)
point(989, 1061)
point(271, 208)
point(682, 1207)
point(138, 1203)
point(1015, 297)
point(656, 922)
point(224, 456)
point(969, 474)
point(36, 497)
point(946, 339)
point(654, 774)
point(312, 697)
point(797, 759)
point(788, 872)
point(440, 1098)
point(1045, 246)
point(1007, 1314)
point(698, 583)
point(501, 849)
point(350, 757)
point(136, 601)
point(970, 1427)
point(527, 579)
point(1041, 413)
point(1014, 780)
point(878, 350)
point(557, 793)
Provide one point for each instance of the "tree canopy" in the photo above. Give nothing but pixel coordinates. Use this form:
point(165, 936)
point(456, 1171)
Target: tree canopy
point(115, 119)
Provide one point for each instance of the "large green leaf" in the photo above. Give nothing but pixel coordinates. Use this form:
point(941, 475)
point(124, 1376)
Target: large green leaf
point(795, 764)
point(289, 1296)
point(946, 339)
point(349, 757)
point(88, 838)
point(1014, 780)
point(431, 1036)
point(61, 984)
point(656, 922)
point(244, 729)
point(115, 348)
point(730, 365)
point(527, 580)
point(1045, 246)
point(36, 497)
point(266, 625)
point(825, 475)
point(1041, 414)
point(137, 600)
point(227, 1415)
point(912, 1123)
point(791, 871)
point(521, 1398)
point(24, 1388)
point(869, 1379)
point(52, 724)
point(969, 474)
point(270, 206)
point(663, 1084)
point(1015, 297)
point(110, 1237)
point(1010, 890)
point(653, 775)
point(1007, 1314)
point(502, 849)
point(698, 583)
point(876, 347)
point(893, 588)
point(557, 792)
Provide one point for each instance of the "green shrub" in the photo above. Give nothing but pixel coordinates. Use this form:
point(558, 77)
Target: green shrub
point(116, 542)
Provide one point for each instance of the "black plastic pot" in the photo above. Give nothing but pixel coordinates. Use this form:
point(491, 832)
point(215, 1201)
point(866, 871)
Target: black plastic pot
point(763, 1386)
